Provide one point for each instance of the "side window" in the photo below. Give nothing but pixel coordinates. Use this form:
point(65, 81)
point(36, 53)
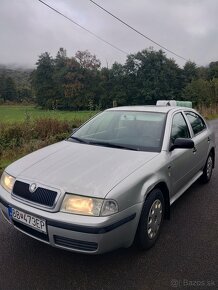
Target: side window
point(179, 128)
point(196, 122)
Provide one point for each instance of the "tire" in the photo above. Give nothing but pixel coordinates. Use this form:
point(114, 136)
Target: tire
point(208, 169)
point(151, 219)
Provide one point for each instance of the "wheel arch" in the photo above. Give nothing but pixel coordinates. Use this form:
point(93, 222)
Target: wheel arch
point(164, 189)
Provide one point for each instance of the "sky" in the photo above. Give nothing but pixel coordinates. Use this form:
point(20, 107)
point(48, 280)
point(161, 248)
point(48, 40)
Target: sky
point(186, 27)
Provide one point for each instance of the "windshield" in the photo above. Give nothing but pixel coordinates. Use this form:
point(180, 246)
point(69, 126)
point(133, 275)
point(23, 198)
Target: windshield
point(124, 129)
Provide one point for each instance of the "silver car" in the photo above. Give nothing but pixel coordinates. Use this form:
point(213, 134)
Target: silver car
point(112, 181)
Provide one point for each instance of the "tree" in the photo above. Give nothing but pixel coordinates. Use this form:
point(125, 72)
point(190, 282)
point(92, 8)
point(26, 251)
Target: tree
point(106, 98)
point(202, 72)
point(2, 86)
point(118, 84)
point(87, 60)
point(73, 86)
point(89, 65)
point(201, 92)
point(24, 94)
point(153, 77)
point(190, 72)
point(43, 81)
point(80, 83)
point(60, 71)
point(213, 70)
point(8, 91)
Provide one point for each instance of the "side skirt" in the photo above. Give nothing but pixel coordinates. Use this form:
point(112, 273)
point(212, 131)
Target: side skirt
point(178, 194)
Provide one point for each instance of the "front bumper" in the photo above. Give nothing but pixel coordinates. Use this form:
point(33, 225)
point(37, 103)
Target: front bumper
point(84, 234)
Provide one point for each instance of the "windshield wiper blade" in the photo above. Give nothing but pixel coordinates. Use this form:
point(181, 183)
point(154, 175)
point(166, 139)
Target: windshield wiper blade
point(79, 139)
point(112, 145)
point(106, 144)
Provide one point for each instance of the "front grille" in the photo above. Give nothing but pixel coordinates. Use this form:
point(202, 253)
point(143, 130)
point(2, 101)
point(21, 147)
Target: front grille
point(41, 195)
point(31, 231)
point(75, 244)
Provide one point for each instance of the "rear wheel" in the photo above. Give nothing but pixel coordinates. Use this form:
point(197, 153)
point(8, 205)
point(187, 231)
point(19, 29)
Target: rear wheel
point(151, 220)
point(208, 169)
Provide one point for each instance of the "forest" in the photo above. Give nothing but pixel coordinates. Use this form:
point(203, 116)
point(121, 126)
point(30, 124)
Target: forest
point(80, 82)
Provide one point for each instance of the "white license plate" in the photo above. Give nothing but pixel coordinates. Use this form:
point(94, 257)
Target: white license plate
point(27, 219)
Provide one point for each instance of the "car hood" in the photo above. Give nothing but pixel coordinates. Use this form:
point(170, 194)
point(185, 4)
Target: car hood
point(79, 168)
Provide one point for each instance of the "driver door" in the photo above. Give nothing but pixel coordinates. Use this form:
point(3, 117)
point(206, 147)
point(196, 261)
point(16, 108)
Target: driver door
point(182, 166)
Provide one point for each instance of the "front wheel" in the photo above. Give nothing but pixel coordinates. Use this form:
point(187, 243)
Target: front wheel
point(208, 169)
point(151, 219)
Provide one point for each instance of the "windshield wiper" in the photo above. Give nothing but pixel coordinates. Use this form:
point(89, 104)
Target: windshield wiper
point(112, 145)
point(106, 144)
point(79, 139)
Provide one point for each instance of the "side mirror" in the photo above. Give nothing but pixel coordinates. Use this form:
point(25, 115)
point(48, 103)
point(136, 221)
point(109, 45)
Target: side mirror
point(182, 143)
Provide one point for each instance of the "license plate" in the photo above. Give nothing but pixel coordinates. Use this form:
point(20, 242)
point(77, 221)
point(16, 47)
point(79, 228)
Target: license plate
point(28, 219)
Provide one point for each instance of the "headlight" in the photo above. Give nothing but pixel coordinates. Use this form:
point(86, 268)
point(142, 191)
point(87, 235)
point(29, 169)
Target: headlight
point(88, 205)
point(7, 182)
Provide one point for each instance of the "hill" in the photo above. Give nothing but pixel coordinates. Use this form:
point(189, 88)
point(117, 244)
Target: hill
point(20, 75)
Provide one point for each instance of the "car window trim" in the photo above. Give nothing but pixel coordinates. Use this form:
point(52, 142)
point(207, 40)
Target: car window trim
point(194, 135)
point(179, 112)
point(163, 131)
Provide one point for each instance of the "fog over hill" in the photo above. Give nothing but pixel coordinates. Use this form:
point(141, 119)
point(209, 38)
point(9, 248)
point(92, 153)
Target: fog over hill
point(20, 74)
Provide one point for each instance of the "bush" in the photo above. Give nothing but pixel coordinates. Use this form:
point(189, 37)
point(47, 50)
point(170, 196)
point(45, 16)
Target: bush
point(19, 139)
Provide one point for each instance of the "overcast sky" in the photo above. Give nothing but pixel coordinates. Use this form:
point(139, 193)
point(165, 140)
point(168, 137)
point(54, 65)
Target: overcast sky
point(28, 28)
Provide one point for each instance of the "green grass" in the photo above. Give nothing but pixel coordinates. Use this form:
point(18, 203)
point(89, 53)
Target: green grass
point(16, 113)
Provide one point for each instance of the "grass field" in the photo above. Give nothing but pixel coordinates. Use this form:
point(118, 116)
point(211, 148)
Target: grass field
point(10, 114)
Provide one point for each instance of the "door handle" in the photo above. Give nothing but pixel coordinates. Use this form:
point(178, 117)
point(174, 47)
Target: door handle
point(194, 150)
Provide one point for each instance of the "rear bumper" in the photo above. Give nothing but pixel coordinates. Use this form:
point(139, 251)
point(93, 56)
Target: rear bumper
point(91, 235)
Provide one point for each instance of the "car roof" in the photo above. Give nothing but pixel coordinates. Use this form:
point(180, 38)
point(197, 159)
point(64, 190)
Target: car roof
point(158, 109)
